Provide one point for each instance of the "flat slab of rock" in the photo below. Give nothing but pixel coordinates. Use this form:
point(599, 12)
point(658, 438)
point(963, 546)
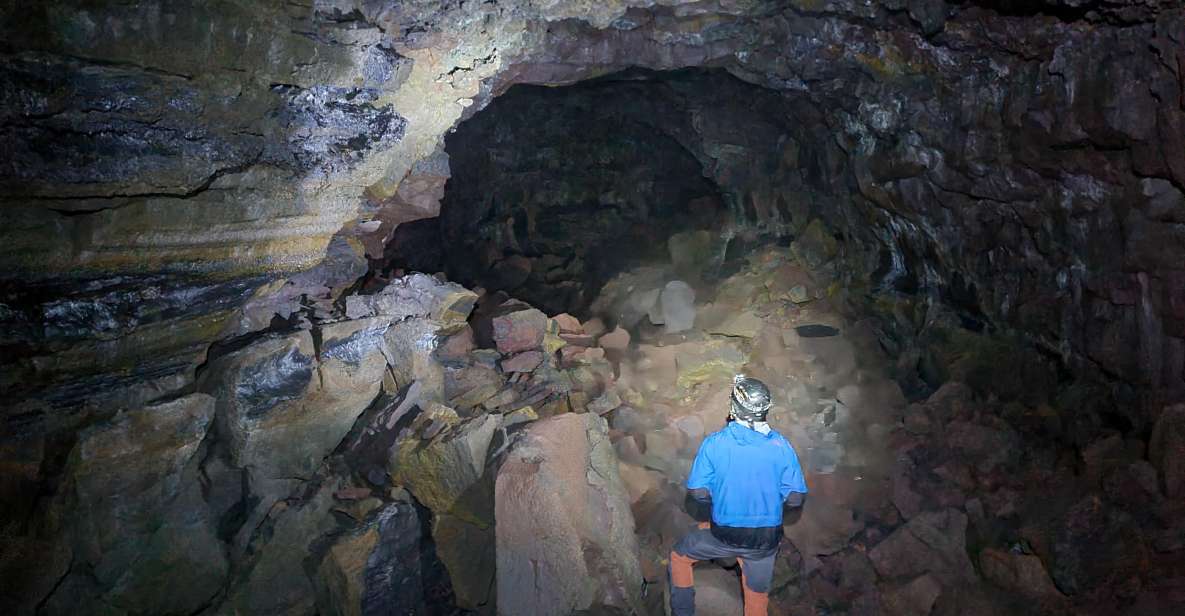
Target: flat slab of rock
point(564, 531)
point(416, 295)
point(522, 362)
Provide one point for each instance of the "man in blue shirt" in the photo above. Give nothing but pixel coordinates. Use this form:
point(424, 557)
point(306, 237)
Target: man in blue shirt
point(742, 479)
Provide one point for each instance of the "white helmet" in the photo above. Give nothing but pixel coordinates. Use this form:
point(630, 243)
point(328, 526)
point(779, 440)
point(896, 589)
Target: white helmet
point(750, 399)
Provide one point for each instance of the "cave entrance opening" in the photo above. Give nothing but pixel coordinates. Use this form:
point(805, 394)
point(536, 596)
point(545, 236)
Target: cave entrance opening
point(554, 190)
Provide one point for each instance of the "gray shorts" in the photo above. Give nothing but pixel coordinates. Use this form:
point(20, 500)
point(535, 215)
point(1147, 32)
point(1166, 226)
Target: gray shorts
point(758, 565)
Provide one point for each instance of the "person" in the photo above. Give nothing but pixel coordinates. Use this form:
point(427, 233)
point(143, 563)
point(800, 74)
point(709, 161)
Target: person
point(743, 479)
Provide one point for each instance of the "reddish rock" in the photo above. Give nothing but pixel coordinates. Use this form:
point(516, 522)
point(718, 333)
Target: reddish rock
point(932, 542)
point(616, 340)
point(568, 323)
point(594, 327)
point(456, 348)
point(576, 355)
point(564, 529)
point(1020, 573)
point(518, 331)
point(522, 362)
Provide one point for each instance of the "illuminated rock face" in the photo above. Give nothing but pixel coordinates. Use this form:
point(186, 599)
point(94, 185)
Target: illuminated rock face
point(202, 199)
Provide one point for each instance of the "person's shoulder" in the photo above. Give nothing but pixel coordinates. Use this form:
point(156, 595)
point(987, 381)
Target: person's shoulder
point(715, 436)
point(779, 440)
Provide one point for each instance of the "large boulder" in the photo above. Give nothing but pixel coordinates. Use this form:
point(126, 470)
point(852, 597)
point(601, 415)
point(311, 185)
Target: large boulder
point(280, 411)
point(933, 542)
point(134, 514)
point(565, 535)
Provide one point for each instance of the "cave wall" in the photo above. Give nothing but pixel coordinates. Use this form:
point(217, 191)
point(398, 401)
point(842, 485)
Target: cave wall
point(1025, 160)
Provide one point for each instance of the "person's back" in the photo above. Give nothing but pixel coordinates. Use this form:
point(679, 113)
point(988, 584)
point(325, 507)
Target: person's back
point(742, 478)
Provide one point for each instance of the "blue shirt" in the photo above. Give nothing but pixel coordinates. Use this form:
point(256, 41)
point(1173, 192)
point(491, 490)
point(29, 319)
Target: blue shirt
point(749, 475)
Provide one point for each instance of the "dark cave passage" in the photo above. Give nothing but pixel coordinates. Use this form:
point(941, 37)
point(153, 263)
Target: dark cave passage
point(555, 190)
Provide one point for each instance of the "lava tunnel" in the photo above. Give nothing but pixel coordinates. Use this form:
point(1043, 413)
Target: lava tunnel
point(523, 308)
point(554, 190)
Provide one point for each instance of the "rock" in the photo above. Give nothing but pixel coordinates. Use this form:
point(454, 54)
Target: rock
point(1166, 450)
point(467, 551)
point(522, 362)
point(565, 534)
point(913, 598)
point(1102, 455)
point(594, 327)
point(568, 324)
point(409, 347)
point(518, 331)
point(1095, 545)
point(816, 245)
point(638, 480)
point(717, 591)
point(649, 300)
point(376, 568)
point(605, 403)
point(281, 411)
point(713, 361)
point(439, 471)
point(742, 325)
point(799, 295)
point(933, 542)
point(271, 577)
point(582, 340)
point(467, 387)
point(416, 295)
point(908, 502)
point(520, 416)
point(577, 355)
point(692, 428)
point(1019, 573)
point(133, 505)
point(629, 420)
point(983, 446)
point(456, 348)
point(824, 528)
point(677, 303)
point(616, 340)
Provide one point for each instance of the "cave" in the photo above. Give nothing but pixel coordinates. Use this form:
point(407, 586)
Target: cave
point(375, 307)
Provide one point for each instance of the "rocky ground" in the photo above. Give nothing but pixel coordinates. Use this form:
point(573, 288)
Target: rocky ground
point(433, 450)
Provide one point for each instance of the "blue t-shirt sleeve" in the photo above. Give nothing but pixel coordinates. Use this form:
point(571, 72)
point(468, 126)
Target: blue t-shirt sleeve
point(792, 479)
point(702, 471)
